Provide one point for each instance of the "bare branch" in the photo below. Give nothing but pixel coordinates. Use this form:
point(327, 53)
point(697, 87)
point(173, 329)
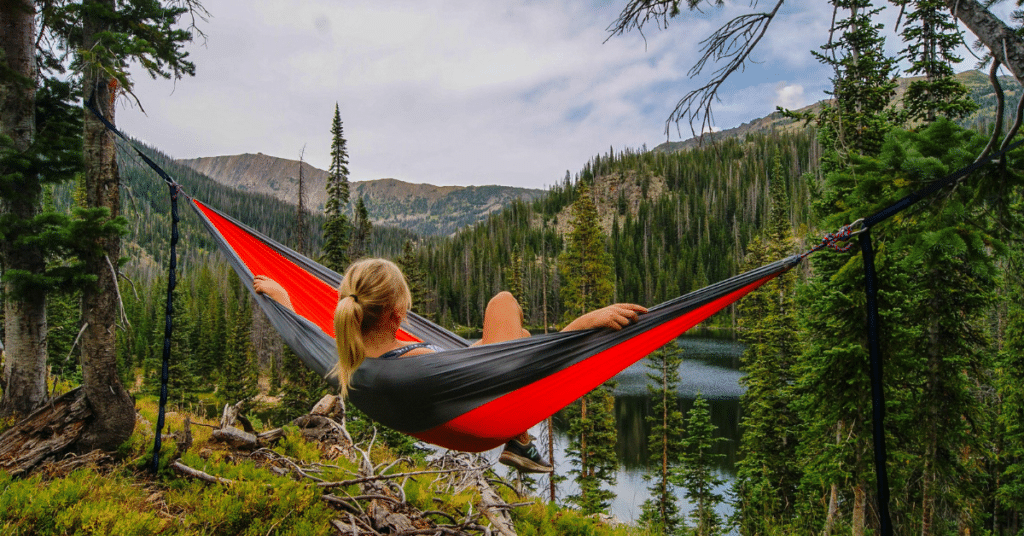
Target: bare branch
point(997, 132)
point(117, 292)
point(733, 42)
point(185, 470)
point(637, 13)
point(343, 483)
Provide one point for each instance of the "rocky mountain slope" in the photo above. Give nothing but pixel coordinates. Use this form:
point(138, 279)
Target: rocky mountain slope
point(423, 208)
point(977, 83)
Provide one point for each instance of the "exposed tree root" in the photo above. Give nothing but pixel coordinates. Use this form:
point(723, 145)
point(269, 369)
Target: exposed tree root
point(45, 435)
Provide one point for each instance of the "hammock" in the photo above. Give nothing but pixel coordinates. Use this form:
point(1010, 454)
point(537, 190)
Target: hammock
point(465, 398)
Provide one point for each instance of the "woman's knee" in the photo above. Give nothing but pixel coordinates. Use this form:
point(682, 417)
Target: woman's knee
point(503, 319)
point(503, 300)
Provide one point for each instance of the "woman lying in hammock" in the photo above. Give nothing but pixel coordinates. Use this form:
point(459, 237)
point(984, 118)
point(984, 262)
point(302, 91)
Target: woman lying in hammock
point(374, 299)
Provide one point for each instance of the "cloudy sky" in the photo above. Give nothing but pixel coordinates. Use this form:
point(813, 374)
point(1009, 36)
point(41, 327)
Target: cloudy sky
point(457, 92)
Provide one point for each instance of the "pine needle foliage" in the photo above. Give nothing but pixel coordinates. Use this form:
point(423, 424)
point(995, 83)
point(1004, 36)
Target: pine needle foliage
point(585, 263)
point(591, 450)
point(697, 472)
point(336, 227)
point(768, 475)
point(665, 442)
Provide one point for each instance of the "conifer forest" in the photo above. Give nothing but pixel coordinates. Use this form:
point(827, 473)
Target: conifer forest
point(634, 225)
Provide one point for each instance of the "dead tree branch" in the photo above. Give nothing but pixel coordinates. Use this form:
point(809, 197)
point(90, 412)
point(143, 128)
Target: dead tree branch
point(732, 43)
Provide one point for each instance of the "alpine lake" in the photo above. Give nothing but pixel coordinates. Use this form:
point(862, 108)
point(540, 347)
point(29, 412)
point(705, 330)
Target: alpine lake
point(711, 363)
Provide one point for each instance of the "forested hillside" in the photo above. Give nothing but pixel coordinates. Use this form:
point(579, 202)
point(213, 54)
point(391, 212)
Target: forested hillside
point(675, 222)
point(147, 207)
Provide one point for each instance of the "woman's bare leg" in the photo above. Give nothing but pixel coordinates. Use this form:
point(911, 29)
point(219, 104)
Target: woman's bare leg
point(503, 320)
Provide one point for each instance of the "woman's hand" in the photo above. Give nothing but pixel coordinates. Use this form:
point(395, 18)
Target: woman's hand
point(613, 317)
point(265, 285)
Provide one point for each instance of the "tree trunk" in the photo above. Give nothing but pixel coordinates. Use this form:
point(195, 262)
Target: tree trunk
point(860, 504)
point(114, 409)
point(833, 510)
point(993, 32)
point(24, 315)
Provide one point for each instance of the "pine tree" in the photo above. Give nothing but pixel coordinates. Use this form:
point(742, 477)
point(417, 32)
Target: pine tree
point(587, 285)
point(768, 476)
point(592, 438)
point(302, 388)
point(665, 441)
point(423, 300)
point(697, 469)
point(238, 371)
point(360, 231)
point(836, 436)
point(62, 315)
point(932, 38)
point(301, 233)
point(39, 144)
point(949, 255)
point(1009, 379)
point(336, 228)
point(864, 83)
point(585, 263)
point(182, 382)
point(513, 277)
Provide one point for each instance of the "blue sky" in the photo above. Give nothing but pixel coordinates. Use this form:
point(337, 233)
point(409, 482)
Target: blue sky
point(458, 92)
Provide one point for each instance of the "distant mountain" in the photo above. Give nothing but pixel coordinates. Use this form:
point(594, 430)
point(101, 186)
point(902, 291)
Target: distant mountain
point(978, 86)
point(423, 208)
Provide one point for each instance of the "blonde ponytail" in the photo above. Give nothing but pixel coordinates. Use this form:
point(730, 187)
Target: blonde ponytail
point(349, 336)
point(370, 289)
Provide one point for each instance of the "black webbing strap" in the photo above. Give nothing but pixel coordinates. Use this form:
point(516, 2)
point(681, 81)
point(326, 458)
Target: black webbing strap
point(909, 200)
point(175, 188)
point(91, 105)
point(168, 328)
point(877, 393)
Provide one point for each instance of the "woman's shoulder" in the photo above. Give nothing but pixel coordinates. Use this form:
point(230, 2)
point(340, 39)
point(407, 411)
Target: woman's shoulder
point(409, 350)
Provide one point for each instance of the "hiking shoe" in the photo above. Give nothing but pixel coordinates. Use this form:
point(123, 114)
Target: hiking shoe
point(524, 458)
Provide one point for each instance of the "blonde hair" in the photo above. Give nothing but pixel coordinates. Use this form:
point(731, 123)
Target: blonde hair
point(370, 290)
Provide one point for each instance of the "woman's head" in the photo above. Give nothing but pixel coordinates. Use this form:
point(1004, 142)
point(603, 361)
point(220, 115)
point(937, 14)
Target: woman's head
point(370, 292)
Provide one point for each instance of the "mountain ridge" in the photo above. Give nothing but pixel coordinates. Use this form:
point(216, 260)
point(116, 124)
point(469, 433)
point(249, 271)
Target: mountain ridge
point(977, 83)
point(424, 208)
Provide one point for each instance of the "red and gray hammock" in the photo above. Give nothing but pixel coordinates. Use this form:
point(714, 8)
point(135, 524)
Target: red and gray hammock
point(464, 398)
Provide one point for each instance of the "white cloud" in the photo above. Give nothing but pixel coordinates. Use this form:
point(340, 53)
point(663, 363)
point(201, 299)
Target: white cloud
point(789, 96)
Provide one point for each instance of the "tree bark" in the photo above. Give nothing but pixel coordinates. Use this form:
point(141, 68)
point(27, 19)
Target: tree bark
point(993, 32)
point(860, 508)
point(113, 407)
point(24, 315)
point(833, 509)
point(44, 434)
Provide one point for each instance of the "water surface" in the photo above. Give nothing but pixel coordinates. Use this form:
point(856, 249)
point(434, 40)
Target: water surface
point(711, 368)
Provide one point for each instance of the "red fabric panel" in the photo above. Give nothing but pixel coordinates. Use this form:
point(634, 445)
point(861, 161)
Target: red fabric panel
point(494, 423)
point(311, 297)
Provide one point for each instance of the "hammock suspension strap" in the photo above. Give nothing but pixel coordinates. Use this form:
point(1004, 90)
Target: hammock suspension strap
point(168, 325)
point(174, 189)
point(877, 392)
point(844, 234)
